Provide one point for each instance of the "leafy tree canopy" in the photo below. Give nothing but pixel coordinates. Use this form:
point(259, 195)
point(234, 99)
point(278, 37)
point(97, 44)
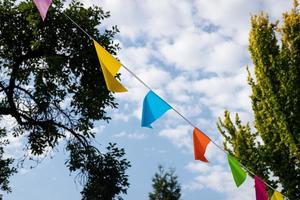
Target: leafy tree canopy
point(165, 185)
point(273, 149)
point(52, 86)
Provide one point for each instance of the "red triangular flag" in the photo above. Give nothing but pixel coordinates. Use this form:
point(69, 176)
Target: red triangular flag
point(260, 189)
point(200, 143)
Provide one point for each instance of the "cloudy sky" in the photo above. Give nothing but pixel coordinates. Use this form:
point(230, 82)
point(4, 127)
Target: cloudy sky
point(194, 54)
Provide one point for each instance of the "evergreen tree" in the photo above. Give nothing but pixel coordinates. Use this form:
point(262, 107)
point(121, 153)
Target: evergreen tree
point(165, 185)
point(51, 84)
point(273, 149)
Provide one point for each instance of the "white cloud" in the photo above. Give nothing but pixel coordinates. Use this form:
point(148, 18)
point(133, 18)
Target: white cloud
point(227, 56)
point(179, 135)
point(155, 76)
point(16, 144)
point(218, 178)
point(228, 92)
point(188, 51)
point(142, 56)
point(211, 176)
point(276, 9)
point(193, 53)
point(166, 18)
point(133, 136)
point(233, 16)
point(152, 19)
point(213, 153)
point(180, 89)
point(120, 116)
point(98, 129)
point(227, 13)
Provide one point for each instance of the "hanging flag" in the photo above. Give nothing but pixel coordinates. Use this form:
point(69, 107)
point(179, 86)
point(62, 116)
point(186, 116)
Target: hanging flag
point(260, 189)
point(277, 196)
point(153, 108)
point(200, 143)
point(42, 6)
point(239, 175)
point(110, 67)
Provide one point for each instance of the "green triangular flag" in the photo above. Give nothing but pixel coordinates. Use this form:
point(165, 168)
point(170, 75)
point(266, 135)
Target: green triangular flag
point(239, 175)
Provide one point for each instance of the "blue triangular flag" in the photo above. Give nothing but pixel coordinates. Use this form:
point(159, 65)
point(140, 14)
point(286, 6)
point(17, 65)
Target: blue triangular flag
point(153, 108)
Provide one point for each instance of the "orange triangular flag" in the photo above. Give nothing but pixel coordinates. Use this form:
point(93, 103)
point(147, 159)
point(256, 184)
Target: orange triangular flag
point(200, 143)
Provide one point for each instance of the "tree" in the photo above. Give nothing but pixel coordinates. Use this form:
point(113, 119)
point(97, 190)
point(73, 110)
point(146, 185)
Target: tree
point(272, 150)
point(52, 86)
point(165, 185)
point(6, 170)
point(105, 173)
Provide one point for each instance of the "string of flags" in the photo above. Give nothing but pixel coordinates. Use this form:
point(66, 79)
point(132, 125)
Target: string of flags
point(155, 107)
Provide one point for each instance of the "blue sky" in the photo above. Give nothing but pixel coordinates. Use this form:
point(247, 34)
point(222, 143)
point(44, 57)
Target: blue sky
point(193, 53)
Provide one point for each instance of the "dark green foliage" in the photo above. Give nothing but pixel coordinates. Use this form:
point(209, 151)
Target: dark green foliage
point(104, 173)
point(5, 164)
point(165, 185)
point(52, 85)
point(275, 146)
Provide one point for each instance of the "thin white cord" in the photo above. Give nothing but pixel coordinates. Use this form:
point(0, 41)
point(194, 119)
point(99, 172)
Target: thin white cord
point(181, 115)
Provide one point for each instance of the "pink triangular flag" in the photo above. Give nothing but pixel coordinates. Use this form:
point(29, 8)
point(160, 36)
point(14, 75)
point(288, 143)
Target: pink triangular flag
point(42, 6)
point(260, 189)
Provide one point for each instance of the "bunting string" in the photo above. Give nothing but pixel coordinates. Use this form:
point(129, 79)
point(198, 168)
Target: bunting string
point(259, 183)
point(175, 110)
point(138, 78)
point(145, 84)
point(78, 26)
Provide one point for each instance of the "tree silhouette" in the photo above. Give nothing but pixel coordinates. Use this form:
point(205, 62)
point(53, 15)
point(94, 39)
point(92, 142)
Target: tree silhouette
point(51, 84)
point(165, 185)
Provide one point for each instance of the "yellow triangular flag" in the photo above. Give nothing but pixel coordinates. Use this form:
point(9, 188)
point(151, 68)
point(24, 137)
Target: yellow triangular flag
point(111, 83)
point(277, 196)
point(110, 67)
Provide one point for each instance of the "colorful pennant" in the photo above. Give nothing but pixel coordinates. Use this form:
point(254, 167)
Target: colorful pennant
point(110, 67)
point(42, 6)
point(239, 175)
point(153, 108)
point(200, 143)
point(277, 196)
point(260, 189)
